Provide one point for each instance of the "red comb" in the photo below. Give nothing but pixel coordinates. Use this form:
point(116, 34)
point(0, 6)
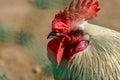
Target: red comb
point(84, 10)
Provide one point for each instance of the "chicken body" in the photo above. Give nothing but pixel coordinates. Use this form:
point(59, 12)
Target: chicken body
point(83, 51)
point(99, 61)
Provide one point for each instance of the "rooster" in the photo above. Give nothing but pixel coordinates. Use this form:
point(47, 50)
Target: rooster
point(79, 50)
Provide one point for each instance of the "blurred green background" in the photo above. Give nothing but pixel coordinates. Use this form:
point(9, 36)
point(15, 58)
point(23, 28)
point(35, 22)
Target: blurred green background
point(24, 26)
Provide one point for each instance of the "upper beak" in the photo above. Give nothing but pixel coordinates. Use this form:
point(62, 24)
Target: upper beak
point(52, 35)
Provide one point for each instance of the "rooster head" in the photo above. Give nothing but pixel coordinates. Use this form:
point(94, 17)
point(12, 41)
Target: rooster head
point(68, 34)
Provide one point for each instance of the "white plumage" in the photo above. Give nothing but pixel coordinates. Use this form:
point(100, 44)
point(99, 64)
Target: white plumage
point(100, 61)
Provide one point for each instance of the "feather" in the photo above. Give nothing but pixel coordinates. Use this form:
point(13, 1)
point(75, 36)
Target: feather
point(100, 61)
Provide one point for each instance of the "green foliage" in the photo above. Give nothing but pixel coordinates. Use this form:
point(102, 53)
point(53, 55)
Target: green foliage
point(3, 35)
point(5, 32)
point(23, 37)
point(46, 4)
point(42, 3)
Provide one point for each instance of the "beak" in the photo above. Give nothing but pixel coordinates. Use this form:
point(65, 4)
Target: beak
point(52, 35)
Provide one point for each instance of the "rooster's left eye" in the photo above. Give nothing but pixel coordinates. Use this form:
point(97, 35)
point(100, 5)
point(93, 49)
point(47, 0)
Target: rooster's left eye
point(78, 32)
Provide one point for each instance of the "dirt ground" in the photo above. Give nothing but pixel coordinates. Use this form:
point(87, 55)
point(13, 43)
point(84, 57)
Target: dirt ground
point(21, 14)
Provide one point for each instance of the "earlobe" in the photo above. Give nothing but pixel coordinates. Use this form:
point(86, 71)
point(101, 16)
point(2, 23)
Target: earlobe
point(81, 46)
point(86, 36)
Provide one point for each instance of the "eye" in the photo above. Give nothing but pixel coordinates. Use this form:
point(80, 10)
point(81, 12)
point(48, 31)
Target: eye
point(78, 32)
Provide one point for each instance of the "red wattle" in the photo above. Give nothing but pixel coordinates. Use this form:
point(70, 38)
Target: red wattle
point(55, 51)
point(60, 50)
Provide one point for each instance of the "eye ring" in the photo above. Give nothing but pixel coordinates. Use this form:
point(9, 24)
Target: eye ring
point(78, 32)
